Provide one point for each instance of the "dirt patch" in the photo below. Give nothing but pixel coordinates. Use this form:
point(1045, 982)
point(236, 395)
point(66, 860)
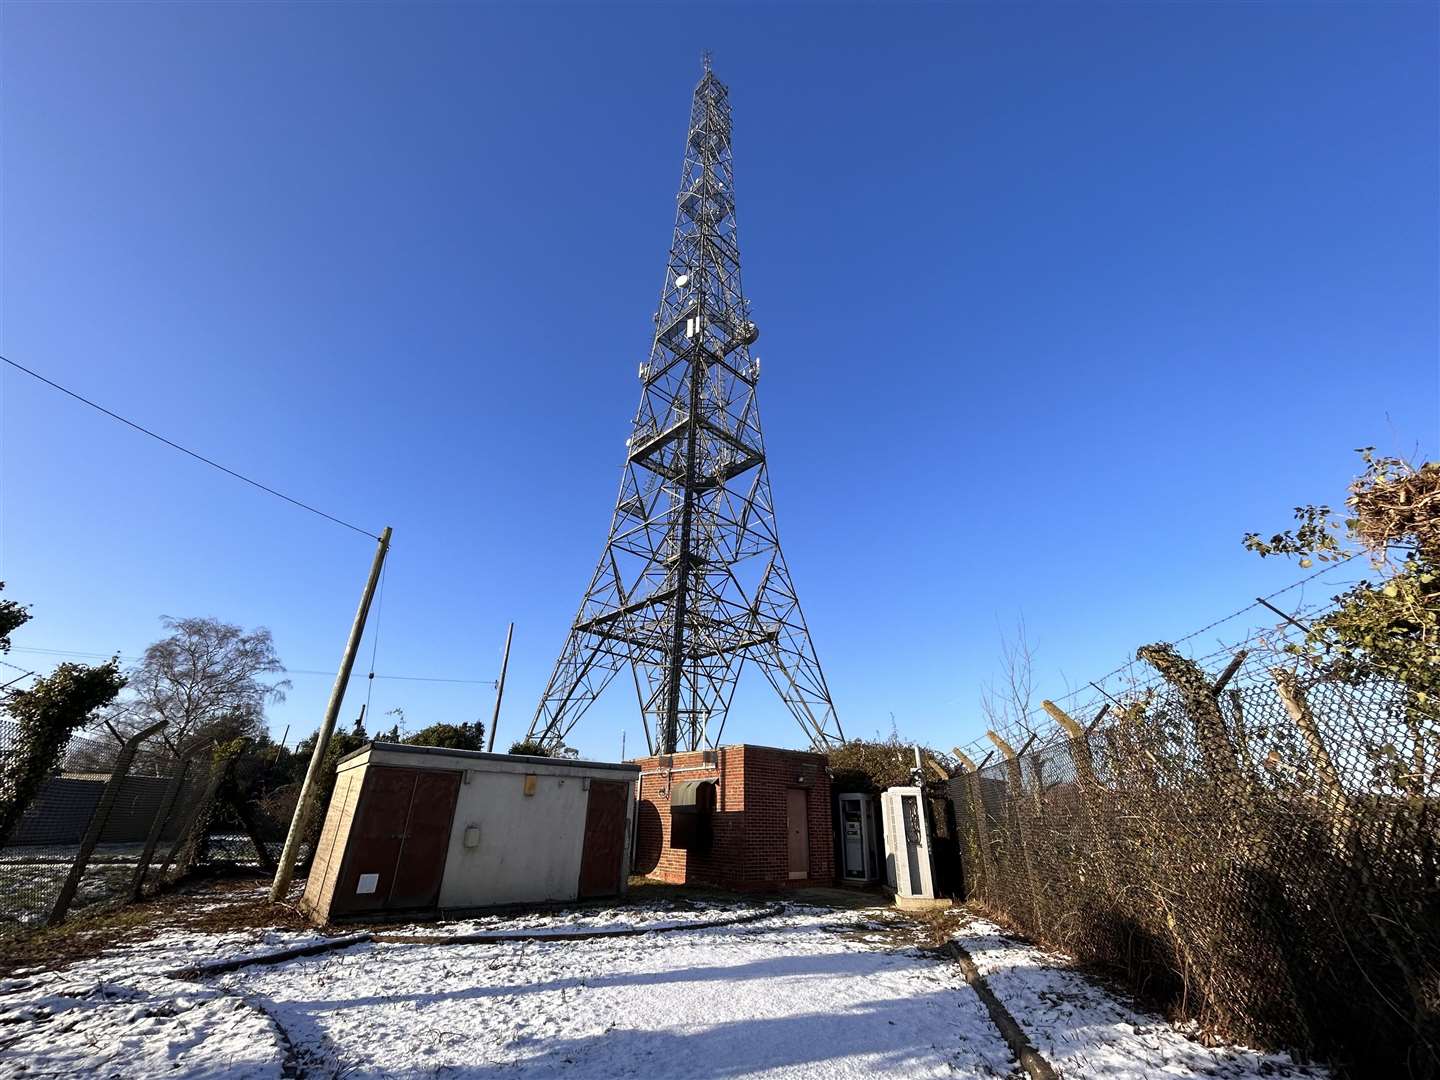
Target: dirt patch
point(935, 927)
point(227, 905)
point(215, 906)
point(845, 898)
point(928, 931)
point(644, 890)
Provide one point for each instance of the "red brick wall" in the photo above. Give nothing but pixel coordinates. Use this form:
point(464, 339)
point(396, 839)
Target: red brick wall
point(769, 776)
point(749, 848)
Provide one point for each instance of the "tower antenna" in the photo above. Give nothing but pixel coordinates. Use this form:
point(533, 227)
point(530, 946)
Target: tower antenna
point(692, 582)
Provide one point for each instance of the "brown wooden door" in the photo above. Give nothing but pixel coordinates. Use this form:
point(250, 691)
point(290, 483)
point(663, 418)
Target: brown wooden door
point(375, 840)
point(603, 855)
point(396, 855)
point(427, 841)
point(797, 831)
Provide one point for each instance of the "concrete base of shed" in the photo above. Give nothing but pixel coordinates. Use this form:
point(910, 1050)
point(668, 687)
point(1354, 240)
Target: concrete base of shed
point(922, 903)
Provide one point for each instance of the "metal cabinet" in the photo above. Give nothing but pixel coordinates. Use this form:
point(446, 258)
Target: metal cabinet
point(858, 838)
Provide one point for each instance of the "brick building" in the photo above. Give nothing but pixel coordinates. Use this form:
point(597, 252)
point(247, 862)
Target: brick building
point(741, 817)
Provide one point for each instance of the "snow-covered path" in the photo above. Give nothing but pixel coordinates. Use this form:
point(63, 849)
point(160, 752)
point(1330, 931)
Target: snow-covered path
point(812, 992)
point(788, 997)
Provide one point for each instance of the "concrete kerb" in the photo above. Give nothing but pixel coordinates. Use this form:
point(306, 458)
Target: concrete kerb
point(314, 948)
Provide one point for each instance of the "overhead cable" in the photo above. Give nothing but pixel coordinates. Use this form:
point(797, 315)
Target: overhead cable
point(184, 450)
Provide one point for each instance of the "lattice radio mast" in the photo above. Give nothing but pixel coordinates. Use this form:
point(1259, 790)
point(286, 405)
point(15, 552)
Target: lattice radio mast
point(692, 582)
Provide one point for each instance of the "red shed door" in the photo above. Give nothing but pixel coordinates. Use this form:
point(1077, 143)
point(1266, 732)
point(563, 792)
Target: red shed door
point(375, 840)
point(427, 841)
point(397, 848)
point(602, 858)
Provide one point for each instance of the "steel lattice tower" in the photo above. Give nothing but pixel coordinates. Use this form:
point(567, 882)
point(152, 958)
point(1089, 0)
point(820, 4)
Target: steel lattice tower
point(692, 582)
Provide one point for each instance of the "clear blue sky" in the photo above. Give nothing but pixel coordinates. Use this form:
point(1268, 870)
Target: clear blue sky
point(1057, 301)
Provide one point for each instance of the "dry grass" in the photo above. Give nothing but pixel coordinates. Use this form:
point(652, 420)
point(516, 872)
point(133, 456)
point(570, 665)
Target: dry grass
point(227, 905)
point(212, 906)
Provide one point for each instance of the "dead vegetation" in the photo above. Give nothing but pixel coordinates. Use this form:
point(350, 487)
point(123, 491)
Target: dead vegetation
point(230, 905)
point(208, 906)
point(1395, 502)
point(1243, 859)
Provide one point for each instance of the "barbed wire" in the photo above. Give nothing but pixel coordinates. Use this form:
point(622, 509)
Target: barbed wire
point(1045, 731)
point(1257, 602)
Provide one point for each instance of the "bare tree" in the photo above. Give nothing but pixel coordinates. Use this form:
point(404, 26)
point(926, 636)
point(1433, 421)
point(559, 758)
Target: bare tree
point(209, 679)
point(1007, 704)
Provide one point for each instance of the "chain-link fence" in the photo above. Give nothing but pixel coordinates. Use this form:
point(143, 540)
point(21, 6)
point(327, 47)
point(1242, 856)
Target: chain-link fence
point(1263, 858)
point(247, 828)
point(120, 816)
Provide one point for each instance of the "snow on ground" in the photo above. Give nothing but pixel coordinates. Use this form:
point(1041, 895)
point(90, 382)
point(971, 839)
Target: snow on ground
point(121, 1016)
point(133, 1026)
point(1084, 1031)
point(793, 996)
point(810, 992)
point(652, 916)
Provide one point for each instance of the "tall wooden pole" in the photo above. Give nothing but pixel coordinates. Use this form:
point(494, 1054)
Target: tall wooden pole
point(500, 688)
point(286, 869)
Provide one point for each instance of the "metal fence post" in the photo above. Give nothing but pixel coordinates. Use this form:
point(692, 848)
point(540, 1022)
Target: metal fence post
point(97, 821)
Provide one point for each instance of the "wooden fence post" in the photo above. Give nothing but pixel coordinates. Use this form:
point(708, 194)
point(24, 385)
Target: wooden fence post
point(1022, 831)
point(187, 844)
point(157, 825)
point(98, 820)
